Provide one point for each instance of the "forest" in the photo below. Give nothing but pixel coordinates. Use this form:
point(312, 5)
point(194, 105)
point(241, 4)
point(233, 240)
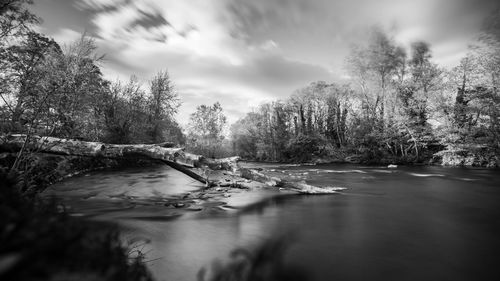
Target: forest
point(398, 105)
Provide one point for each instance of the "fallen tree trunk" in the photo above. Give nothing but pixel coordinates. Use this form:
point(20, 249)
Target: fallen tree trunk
point(199, 161)
point(173, 157)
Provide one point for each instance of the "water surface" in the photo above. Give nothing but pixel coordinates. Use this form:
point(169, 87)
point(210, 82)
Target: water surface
point(409, 223)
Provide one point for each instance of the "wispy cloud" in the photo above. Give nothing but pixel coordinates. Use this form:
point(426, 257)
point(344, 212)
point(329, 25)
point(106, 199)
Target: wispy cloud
point(195, 41)
point(243, 52)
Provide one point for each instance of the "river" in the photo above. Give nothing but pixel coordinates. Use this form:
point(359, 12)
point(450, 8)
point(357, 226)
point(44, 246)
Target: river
point(409, 223)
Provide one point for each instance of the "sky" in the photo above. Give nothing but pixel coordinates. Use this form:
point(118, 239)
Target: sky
point(246, 52)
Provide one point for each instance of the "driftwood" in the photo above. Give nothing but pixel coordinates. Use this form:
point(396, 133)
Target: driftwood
point(300, 186)
point(173, 157)
point(256, 175)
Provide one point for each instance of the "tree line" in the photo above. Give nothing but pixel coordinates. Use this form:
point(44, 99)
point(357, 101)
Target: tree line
point(54, 90)
point(398, 107)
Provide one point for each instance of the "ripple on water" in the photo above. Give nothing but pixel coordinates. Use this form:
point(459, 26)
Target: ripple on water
point(153, 181)
point(467, 179)
point(344, 171)
point(384, 171)
point(425, 175)
point(158, 176)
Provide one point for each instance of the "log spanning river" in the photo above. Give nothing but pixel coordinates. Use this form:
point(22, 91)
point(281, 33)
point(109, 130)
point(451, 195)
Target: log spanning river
point(409, 223)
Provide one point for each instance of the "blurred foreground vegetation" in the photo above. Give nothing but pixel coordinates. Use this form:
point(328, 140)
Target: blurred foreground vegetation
point(264, 263)
point(40, 241)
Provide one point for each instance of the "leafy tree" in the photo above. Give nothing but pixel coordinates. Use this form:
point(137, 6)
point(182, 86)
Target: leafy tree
point(127, 116)
point(424, 78)
point(244, 136)
point(373, 67)
point(15, 18)
point(82, 87)
point(315, 116)
point(470, 130)
point(206, 129)
point(125, 112)
point(25, 71)
point(163, 104)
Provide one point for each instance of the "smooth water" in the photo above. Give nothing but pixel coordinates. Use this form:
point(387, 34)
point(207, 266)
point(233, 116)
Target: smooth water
point(409, 223)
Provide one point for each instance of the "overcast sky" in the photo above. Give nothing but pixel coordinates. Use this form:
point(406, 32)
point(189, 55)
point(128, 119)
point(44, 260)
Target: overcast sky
point(244, 52)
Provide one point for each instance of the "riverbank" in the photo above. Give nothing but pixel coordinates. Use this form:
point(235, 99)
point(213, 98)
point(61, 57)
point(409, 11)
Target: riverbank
point(46, 169)
point(448, 158)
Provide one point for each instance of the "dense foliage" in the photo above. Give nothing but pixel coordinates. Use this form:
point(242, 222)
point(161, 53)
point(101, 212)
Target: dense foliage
point(398, 108)
point(61, 92)
point(206, 130)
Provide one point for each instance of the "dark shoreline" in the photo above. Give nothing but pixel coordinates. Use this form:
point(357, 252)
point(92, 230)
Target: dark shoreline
point(322, 161)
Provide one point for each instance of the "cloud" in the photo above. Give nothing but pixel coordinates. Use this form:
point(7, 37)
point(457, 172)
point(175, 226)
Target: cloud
point(321, 31)
point(194, 42)
point(205, 80)
point(190, 27)
point(100, 4)
point(242, 53)
point(66, 36)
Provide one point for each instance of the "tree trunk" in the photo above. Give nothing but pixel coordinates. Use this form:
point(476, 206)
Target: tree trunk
point(173, 157)
point(302, 119)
